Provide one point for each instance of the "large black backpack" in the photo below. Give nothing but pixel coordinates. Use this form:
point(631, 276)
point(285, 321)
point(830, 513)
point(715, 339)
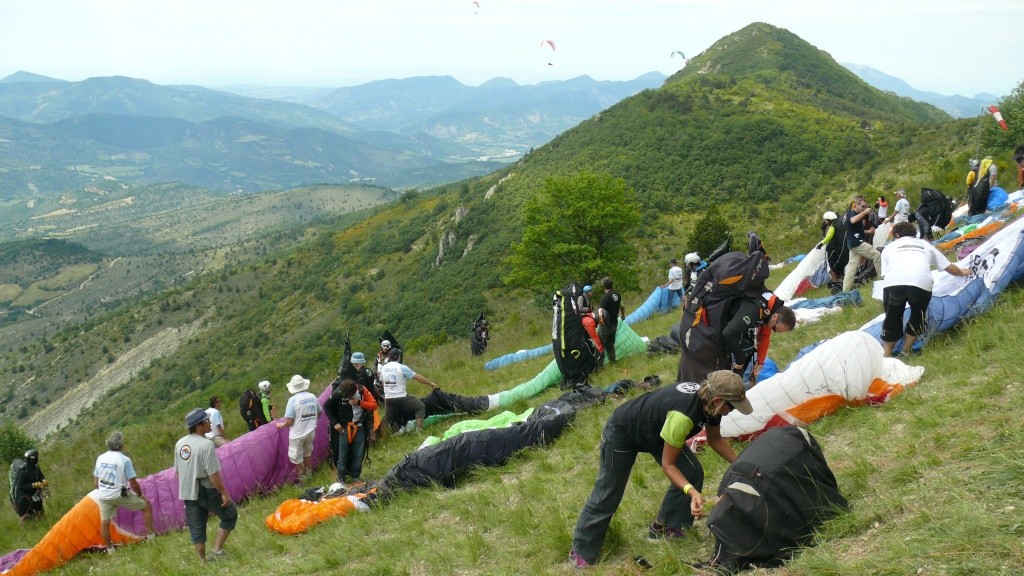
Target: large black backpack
point(772, 498)
point(730, 277)
point(251, 407)
point(575, 353)
point(17, 467)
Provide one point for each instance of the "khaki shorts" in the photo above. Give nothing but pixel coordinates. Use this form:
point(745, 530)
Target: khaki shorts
point(108, 508)
point(299, 448)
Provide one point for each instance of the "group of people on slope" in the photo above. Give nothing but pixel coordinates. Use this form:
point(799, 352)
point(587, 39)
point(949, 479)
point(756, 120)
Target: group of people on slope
point(602, 323)
point(904, 264)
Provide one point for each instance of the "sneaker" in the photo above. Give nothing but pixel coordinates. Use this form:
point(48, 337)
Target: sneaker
point(657, 532)
point(577, 561)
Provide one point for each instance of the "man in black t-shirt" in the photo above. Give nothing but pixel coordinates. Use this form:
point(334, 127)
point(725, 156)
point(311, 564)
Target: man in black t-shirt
point(611, 303)
point(659, 423)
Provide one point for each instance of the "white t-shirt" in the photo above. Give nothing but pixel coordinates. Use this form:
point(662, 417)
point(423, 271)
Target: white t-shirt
point(902, 211)
point(303, 408)
point(675, 278)
point(113, 470)
point(395, 377)
point(216, 423)
point(908, 261)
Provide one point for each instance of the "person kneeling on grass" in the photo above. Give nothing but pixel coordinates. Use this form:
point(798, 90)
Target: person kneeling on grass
point(659, 423)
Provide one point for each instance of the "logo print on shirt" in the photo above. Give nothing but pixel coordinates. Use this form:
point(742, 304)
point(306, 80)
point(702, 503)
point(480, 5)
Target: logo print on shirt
point(185, 453)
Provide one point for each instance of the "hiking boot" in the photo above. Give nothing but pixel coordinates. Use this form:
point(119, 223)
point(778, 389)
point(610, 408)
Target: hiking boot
point(577, 561)
point(657, 532)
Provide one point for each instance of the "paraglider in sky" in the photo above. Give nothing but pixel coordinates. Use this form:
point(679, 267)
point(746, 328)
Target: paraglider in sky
point(681, 55)
point(550, 43)
point(476, 5)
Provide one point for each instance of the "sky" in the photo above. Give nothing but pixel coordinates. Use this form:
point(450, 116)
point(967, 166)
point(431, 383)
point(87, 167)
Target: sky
point(945, 46)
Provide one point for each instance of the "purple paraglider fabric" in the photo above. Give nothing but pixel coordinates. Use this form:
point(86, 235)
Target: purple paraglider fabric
point(254, 463)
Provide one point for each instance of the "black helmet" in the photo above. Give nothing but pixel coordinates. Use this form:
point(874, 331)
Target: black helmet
point(32, 455)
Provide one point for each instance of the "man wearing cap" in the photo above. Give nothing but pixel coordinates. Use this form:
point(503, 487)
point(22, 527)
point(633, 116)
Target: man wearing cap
point(200, 486)
point(674, 284)
point(658, 423)
point(901, 212)
point(300, 416)
point(382, 355)
point(398, 404)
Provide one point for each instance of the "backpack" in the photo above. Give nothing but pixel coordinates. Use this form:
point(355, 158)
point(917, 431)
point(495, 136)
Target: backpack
point(772, 498)
point(730, 275)
point(17, 467)
point(251, 407)
point(575, 353)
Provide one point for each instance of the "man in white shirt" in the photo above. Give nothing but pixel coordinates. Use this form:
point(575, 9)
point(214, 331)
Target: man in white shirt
point(901, 213)
point(113, 474)
point(216, 433)
point(906, 267)
point(674, 284)
point(398, 404)
point(301, 415)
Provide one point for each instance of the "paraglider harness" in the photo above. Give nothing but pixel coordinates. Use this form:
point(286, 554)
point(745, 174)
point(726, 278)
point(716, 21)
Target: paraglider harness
point(731, 277)
point(480, 335)
point(41, 489)
point(250, 405)
point(575, 353)
point(936, 209)
point(978, 188)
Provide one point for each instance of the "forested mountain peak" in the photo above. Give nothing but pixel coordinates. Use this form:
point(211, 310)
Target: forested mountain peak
point(777, 57)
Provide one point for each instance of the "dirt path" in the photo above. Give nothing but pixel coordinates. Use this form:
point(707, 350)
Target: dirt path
point(65, 409)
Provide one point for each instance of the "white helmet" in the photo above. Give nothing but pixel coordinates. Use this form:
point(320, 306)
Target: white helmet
point(692, 258)
point(265, 386)
point(830, 215)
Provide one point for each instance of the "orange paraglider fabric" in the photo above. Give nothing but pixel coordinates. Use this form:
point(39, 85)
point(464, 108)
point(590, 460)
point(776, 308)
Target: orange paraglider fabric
point(76, 531)
point(295, 516)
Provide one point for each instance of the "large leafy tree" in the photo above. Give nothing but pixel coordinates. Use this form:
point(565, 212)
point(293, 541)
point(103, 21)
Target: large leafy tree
point(580, 228)
point(711, 230)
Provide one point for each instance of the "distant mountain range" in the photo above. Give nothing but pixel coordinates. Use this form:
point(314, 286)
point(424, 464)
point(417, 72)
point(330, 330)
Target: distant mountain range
point(415, 132)
point(956, 106)
point(411, 132)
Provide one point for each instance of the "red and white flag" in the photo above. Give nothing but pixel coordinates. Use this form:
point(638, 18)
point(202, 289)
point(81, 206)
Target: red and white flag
point(998, 116)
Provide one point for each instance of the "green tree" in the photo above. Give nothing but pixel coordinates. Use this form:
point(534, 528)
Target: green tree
point(580, 228)
point(13, 443)
point(711, 230)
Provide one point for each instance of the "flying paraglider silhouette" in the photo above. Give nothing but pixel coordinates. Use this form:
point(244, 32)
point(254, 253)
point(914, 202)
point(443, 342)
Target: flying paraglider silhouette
point(681, 55)
point(477, 6)
point(549, 43)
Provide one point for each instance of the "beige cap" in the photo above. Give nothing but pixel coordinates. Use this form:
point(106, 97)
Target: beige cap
point(728, 386)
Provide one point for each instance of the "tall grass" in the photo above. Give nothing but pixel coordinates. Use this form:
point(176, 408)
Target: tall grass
point(934, 478)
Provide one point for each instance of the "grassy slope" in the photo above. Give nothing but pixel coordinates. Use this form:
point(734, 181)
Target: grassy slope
point(933, 478)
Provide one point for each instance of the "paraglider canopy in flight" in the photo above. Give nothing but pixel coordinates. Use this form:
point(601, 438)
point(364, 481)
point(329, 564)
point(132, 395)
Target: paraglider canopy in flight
point(550, 43)
point(681, 55)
